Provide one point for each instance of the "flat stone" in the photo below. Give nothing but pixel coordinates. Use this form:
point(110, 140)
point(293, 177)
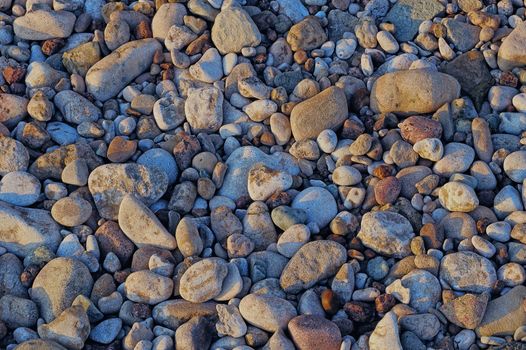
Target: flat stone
point(266, 312)
point(511, 52)
point(109, 184)
point(173, 313)
point(44, 24)
point(25, 229)
point(387, 233)
point(148, 287)
point(504, 314)
point(58, 283)
point(425, 326)
point(19, 188)
point(457, 159)
point(314, 332)
point(407, 15)
point(395, 92)
point(234, 29)
point(71, 211)
point(109, 76)
point(463, 35)
point(471, 71)
point(339, 23)
point(106, 331)
point(468, 272)
point(326, 110)
point(80, 59)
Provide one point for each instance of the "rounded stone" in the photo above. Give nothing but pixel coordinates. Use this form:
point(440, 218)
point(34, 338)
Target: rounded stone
point(457, 196)
point(468, 272)
point(314, 332)
point(71, 211)
point(313, 198)
point(19, 188)
point(203, 280)
point(515, 166)
point(266, 312)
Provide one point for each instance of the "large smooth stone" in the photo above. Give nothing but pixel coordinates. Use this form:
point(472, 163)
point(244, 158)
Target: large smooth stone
point(415, 91)
point(106, 78)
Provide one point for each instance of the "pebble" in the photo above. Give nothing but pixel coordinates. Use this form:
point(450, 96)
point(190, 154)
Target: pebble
point(309, 331)
point(387, 233)
point(435, 90)
point(233, 30)
point(266, 312)
point(313, 262)
point(479, 280)
point(203, 280)
point(19, 188)
point(312, 198)
point(148, 287)
point(456, 196)
point(204, 109)
point(513, 166)
point(43, 24)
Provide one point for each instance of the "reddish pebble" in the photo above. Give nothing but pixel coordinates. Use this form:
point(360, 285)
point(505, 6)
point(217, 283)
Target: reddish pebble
point(387, 190)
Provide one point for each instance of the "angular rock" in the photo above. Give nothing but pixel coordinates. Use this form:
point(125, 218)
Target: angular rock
point(471, 71)
point(504, 314)
point(407, 15)
point(312, 263)
point(385, 334)
point(467, 310)
point(204, 109)
point(71, 328)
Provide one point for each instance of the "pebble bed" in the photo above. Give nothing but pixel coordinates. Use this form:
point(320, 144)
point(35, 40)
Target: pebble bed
point(262, 174)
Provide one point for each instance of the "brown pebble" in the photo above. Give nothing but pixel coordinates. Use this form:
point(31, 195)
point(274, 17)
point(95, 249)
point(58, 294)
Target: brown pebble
point(359, 311)
point(52, 46)
point(13, 74)
point(383, 171)
point(121, 149)
point(417, 128)
point(386, 191)
point(432, 235)
point(384, 302)
point(143, 30)
point(330, 302)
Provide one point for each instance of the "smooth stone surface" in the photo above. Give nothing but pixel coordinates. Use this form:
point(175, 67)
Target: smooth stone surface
point(266, 312)
point(25, 229)
point(14, 156)
point(58, 283)
point(141, 225)
point(457, 196)
point(385, 334)
point(19, 188)
point(44, 24)
point(326, 110)
point(311, 199)
point(233, 30)
point(314, 332)
point(511, 53)
point(109, 76)
point(387, 233)
point(515, 166)
point(148, 287)
point(203, 280)
point(413, 91)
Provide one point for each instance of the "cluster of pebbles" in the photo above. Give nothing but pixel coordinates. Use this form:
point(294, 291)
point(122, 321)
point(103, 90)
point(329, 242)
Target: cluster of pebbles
point(262, 174)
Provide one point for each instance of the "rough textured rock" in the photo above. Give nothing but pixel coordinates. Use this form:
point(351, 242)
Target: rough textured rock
point(468, 272)
point(233, 29)
point(387, 233)
point(408, 14)
point(313, 262)
point(511, 53)
point(44, 24)
point(109, 184)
